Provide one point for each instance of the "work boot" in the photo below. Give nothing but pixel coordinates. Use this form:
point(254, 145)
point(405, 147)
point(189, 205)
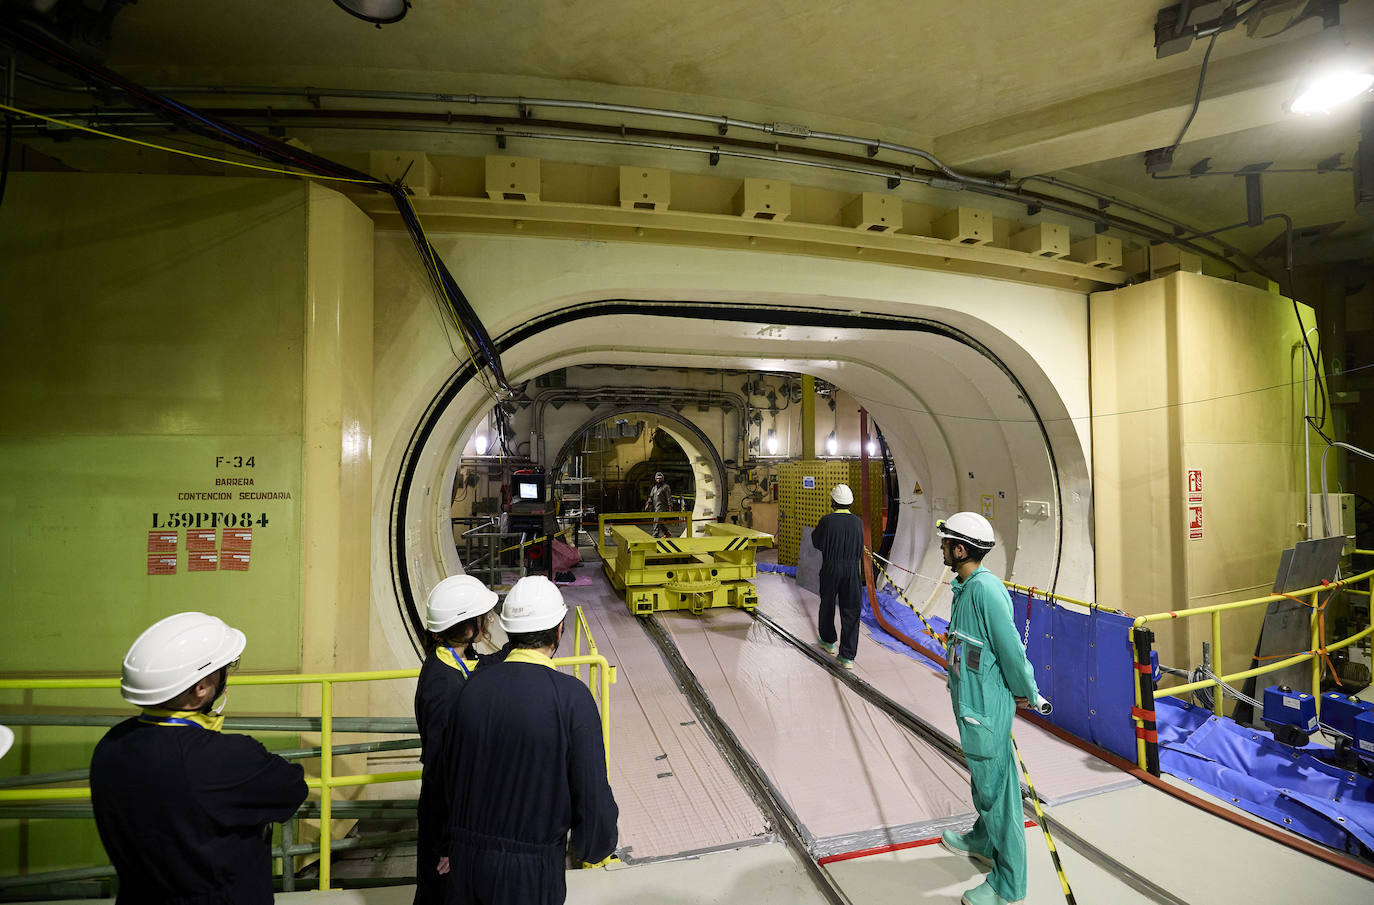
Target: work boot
point(845, 662)
point(983, 894)
point(828, 648)
point(958, 843)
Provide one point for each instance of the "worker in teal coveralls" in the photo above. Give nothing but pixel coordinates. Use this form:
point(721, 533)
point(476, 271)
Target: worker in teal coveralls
point(989, 678)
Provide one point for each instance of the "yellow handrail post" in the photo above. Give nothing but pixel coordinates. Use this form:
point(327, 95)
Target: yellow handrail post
point(1317, 641)
point(604, 680)
point(326, 777)
point(1216, 661)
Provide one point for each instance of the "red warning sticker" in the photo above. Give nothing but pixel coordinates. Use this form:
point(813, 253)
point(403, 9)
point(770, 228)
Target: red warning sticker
point(234, 561)
point(162, 564)
point(236, 539)
point(162, 542)
point(202, 562)
point(200, 541)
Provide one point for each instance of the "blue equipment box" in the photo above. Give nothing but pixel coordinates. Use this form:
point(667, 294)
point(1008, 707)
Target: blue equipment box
point(1285, 707)
point(1339, 712)
point(1364, 735)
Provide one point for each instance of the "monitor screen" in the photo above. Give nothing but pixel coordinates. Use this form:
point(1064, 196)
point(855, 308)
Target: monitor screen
point(529, 490)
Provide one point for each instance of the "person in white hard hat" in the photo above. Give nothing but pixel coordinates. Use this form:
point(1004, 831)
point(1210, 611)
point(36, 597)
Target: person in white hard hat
point(6, 740)
point(989, 677)
point(529, 778)
point(660, 500)
point(185, 812)
point(457, 613)
point(839, 535)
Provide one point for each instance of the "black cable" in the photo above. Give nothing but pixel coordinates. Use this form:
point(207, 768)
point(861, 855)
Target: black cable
point(1197, 98)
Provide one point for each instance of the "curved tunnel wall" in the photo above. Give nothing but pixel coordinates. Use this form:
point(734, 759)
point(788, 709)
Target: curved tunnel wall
point(947, 407)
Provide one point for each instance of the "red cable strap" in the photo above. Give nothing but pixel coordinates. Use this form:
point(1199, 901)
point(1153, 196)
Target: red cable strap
point(1144, 668)
point(1141, 713)
point(1148, 735)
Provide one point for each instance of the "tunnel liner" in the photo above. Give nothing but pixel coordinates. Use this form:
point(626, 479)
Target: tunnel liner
point(785, 315)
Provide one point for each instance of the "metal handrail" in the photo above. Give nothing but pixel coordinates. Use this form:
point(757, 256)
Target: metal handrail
point(1318, 650)
point(600, 684)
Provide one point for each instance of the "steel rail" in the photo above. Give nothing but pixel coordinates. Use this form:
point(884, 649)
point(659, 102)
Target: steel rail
point(950, 749)
point(746, 769)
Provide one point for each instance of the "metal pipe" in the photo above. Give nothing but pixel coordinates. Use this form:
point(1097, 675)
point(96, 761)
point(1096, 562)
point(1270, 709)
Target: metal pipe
point(1307, 439)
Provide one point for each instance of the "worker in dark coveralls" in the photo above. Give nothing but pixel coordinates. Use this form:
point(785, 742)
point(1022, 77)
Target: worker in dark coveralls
point(660, 500)
point(184, 811)
point(529, 780)
point(989, 677)
point(839, 535)
point(456, 615)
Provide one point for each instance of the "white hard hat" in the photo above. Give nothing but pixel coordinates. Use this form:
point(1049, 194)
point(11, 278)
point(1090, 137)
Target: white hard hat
point(456, 598)
point(967, 528)
point(533, 605)
point(6, 739)
point(176, 653)
point(842, 494)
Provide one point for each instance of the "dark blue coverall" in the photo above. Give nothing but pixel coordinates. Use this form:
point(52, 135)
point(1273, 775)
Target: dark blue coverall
point(436, 699)
point(184, 811)
point(839, 536)
point(529, 784)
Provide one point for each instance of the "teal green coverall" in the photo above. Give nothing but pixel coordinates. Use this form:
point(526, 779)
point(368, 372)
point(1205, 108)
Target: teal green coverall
point(987, 671)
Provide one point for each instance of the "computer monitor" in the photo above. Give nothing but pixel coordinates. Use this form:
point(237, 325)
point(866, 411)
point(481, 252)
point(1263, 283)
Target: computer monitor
point(528, 489)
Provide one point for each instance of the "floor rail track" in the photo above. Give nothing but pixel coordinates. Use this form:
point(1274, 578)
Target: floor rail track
point(750, 774)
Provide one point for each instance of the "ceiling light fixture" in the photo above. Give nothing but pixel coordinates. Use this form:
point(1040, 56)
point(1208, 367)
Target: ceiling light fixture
point(378, 12)
point(872, 447)
point(772, 443)
point(831, 444)
point(1331, 89)
point(480, 443)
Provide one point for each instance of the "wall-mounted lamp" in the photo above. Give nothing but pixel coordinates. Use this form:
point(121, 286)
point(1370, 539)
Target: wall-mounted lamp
point(378, 12)
point(831, 444)
point(772, 442)
point(480, 442)
point(872, 447)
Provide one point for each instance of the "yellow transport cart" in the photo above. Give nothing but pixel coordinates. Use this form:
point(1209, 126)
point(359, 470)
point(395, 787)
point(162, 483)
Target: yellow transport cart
point(681, 573)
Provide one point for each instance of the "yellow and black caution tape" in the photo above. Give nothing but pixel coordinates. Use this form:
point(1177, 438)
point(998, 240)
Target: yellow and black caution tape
point(1044, 826)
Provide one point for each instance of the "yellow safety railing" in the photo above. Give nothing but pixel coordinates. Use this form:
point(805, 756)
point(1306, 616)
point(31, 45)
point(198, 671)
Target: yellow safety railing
point(600, 676)
point(1308, 596)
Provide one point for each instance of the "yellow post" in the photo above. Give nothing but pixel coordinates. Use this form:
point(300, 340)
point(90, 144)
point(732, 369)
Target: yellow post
point(1140, 758)
point(1216, 662)
point(808, 417)
point(326, 777)
point(1316, 657)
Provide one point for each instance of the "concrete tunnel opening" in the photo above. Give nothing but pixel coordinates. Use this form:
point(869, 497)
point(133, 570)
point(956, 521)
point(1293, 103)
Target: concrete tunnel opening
point(961, 424)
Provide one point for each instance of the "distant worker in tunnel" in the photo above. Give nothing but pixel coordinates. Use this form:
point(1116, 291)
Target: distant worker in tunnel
point(660, 500)
point(456, 614)
point(185, 812)
point(839, 535)
point(529, 780)
point(989, 677)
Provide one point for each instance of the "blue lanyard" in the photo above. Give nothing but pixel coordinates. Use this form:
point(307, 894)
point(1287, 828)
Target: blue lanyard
point(459, 660)
point(169, 721)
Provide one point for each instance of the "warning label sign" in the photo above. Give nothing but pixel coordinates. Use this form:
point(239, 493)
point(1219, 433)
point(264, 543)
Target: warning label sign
point(1194, 503)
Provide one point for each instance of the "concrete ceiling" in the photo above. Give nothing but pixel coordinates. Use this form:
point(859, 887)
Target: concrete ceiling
point(1070, 88)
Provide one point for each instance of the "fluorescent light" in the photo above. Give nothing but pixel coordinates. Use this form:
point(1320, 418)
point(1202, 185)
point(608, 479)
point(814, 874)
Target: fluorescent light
point(772, 443)
point(831, 444)
point(480, 441)
point(1331, 89)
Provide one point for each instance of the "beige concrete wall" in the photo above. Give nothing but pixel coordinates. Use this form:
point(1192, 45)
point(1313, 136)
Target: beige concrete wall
point(1192, 372)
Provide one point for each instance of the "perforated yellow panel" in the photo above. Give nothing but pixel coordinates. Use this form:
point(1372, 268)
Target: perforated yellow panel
point(800, 506)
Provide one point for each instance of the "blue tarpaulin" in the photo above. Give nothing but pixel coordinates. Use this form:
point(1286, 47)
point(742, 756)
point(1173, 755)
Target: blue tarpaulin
point(1248, 768)
point(1084, 666)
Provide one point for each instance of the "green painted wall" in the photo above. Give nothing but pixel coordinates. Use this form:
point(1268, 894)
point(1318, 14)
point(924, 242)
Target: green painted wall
point(150, 326)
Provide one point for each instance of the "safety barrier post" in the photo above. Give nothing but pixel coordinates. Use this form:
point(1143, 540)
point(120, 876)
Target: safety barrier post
point(326, 777)
point(1146, 733)
point(1216, 660)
